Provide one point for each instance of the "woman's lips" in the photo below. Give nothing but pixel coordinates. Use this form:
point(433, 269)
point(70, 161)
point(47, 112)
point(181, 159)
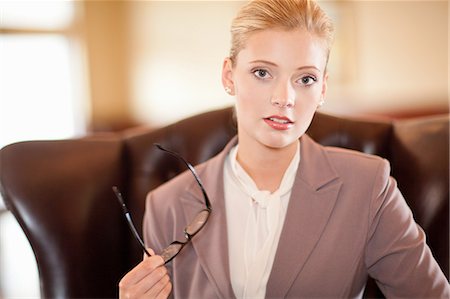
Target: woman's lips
point(279, 122)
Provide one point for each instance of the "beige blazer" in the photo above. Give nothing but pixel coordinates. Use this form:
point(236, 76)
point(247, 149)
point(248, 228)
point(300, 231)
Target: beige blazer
point(346, 220)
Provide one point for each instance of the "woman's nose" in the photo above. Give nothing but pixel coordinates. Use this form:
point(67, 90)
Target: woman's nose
point(283, 96)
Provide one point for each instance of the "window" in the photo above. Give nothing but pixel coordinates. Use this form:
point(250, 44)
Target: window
point(42, 96)
point(40, 61)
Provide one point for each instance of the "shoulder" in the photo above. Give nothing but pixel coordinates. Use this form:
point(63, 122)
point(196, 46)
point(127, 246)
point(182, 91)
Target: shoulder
point(178, 185)
point(344, 162)
point(184, 185)
point(365, 172)
point(366, 178)
point(359, 172)
point(208, 172)
point(351, 161)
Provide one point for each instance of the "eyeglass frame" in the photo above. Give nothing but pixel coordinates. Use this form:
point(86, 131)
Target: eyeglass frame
point(166, 253)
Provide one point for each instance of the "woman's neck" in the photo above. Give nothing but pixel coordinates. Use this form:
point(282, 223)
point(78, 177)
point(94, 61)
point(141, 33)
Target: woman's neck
point(265, 165)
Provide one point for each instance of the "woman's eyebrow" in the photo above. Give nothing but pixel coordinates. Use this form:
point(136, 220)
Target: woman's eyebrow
point(264, 61)
point(274, 64)
point(309, 67)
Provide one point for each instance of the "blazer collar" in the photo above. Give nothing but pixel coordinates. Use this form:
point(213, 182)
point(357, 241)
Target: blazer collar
point(312, 200)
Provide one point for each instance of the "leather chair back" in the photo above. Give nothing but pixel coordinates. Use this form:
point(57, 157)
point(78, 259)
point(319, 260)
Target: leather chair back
point(60, 191)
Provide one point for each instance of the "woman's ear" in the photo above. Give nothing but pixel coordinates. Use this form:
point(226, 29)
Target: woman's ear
point(227, 76)
point(323, 92)
point(324, 86)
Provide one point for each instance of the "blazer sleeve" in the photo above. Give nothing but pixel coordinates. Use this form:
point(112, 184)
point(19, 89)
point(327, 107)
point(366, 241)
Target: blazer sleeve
point(397, 255)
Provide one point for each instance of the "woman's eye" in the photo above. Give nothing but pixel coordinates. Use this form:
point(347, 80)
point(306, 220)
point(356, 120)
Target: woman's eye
point(261, 74)
point(308, 80)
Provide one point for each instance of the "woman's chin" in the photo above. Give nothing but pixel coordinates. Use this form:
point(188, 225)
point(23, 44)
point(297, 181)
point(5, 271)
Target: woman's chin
point(279, 142)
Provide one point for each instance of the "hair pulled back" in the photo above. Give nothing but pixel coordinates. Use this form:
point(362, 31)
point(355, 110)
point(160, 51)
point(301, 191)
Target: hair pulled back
point(260, 15)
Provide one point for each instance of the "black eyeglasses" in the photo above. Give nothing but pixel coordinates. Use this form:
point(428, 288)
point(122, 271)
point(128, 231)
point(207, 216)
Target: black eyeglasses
point(190, 230)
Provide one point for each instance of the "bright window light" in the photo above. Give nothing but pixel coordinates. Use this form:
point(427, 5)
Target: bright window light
point(36, 14)
point(36, 92)
point(20, 278)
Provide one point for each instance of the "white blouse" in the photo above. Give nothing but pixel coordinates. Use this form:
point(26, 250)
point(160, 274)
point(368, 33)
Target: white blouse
point(254, 222)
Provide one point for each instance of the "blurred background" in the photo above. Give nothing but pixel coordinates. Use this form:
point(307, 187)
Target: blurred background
point(70, 68)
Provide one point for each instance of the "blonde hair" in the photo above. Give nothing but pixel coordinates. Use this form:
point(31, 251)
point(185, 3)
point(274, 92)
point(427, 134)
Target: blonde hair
point(279, 14)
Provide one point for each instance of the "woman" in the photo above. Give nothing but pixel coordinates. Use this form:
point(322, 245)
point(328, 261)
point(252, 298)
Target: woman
point(289, 218)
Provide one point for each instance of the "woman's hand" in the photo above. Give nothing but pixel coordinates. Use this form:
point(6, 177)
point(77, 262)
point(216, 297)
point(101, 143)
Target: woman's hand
point(149, 279)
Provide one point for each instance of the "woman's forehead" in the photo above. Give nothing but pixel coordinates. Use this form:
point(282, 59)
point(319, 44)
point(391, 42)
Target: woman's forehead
point(295, 48)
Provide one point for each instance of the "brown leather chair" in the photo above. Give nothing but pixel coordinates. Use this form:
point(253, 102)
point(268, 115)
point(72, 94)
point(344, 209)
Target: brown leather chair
point(60, 191)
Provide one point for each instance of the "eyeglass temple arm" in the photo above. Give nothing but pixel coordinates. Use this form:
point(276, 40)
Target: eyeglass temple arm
point(129, 220)
point(191, 168)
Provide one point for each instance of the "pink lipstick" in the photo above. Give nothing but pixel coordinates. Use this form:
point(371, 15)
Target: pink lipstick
point(279, 122)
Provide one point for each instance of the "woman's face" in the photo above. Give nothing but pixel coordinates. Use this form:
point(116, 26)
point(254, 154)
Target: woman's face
point(278, 81)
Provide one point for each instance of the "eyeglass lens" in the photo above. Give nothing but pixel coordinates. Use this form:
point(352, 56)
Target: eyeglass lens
point(193, 228)
point(171, 251)
point(196, 225)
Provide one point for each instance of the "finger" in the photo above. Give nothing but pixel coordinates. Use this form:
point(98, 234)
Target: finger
point(152, 253)
point(156, 288)
point(142, 270)
point(165, 292)
point(149, 286)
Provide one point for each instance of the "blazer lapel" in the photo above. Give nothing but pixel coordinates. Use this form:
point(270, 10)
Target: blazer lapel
point(211, 243)
point(312, 200)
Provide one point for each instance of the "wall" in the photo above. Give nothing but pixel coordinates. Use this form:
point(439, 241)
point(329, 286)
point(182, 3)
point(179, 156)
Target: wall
point(105, 28)
point(177, 51)
point(399, 58)
point(389, 57)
